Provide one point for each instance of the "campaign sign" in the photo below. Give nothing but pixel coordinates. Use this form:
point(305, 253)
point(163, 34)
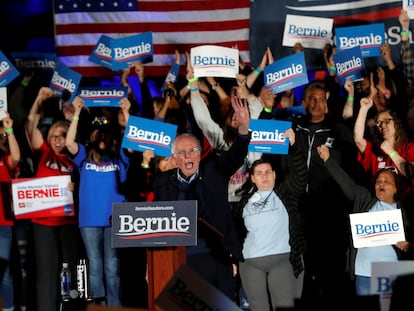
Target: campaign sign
point(3, 102)
point(65, 78)
point(35, 61)
point(187, 290)
point(142, 134)
point(101, 53)
point(384, 273)
point(267, 137)
point(131, 49)
point(7, 71)
point(42, 197)
point(103, 96)
point(215, 61)
point(311, 32)
point(408, 5)
point(171, 76)
point(286, 73)
point(377, 228)
point(349, 63)
point(369, 38)
point(152, 224)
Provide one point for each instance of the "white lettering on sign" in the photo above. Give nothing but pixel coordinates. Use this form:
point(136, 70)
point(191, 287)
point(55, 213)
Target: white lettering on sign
point(307, 32)
point(128, 225)
point(63, 83)
point(360, 41)
point(135, 133)
point(130, 52)
point(349, 65)
point(211, 61)
point(272, 78)
point(103, 50)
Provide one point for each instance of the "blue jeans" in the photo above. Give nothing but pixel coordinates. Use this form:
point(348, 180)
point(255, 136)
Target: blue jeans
point(363, 285)
point(7, 290)
point(6, 284)
point(103, 264)
point(5, 242)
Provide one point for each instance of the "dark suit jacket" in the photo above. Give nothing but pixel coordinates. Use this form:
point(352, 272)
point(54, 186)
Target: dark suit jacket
point(211, 192)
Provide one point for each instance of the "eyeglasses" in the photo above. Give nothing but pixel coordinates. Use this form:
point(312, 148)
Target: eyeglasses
point(57, 137)
point(183, 153)
point(386, 121)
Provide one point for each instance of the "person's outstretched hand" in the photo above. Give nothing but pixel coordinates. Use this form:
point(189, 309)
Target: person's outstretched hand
point(241, 110)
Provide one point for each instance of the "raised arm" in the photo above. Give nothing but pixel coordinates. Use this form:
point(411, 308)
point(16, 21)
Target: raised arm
point(359, 127)
point(406, 53)
point(348, 111)
point(34, 134)
point(14, 149)
point(252, 77)
point(71, 143)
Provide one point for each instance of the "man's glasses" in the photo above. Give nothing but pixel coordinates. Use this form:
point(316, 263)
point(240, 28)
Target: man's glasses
point(386, 121)
point(183, 153)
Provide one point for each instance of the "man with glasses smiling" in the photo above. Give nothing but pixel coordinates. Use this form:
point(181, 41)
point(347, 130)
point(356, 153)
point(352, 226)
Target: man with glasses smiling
point(206, 181)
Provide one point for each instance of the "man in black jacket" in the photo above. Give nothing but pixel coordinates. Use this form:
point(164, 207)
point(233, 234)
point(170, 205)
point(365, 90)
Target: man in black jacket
point(206, 181)
point(323, 210)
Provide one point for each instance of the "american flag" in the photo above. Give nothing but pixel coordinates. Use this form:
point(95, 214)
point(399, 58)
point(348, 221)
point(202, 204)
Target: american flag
point(175, 24)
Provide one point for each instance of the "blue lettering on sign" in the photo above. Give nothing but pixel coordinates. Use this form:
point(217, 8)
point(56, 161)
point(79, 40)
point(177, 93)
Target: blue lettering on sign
point(384, 285)
point(376, 229)
point(307, 32)
point(214, 61)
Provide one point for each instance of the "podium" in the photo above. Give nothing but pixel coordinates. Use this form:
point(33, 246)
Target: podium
point(162, 262)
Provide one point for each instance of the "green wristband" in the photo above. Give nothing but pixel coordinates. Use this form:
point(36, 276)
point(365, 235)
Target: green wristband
point(192, 80)
point(268, 110)
point(8, 130)
point(404, 32)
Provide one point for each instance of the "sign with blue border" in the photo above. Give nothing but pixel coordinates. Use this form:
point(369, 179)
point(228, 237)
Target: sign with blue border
point(7, 70)
point(369, 38)
point(266, 136)
point(65, 78)
point(171, 76)
point(286, 73)
point(131, 49)
point(349, 63)
point(103, 96)
point(142, 134)
point(101, 53)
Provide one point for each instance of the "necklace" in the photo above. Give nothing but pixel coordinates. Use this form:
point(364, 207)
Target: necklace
point(259, 205)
